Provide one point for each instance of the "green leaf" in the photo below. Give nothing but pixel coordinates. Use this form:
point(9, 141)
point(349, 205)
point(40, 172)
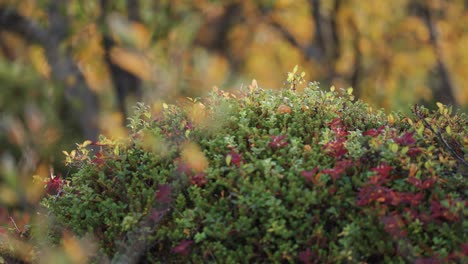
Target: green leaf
point(448, 130)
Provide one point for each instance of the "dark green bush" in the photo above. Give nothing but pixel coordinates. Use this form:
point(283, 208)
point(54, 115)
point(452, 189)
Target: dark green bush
point(275, 176)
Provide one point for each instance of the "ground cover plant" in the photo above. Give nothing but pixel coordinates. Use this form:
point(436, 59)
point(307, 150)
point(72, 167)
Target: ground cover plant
point(295, 175)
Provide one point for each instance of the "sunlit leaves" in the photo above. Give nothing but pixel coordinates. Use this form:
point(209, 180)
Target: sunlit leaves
point(193, 156)
point(132, 62)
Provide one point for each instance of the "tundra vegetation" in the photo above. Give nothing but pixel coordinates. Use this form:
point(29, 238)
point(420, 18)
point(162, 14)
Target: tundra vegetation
point(71, 71)
point(298, 174)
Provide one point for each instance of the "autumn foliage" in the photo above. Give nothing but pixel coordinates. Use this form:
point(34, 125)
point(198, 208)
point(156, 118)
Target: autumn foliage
point(328, 181)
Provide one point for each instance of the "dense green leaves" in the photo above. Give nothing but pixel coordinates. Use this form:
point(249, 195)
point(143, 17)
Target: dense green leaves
point(323, 179)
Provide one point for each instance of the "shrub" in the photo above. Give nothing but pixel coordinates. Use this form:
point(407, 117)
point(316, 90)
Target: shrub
point(274, 176)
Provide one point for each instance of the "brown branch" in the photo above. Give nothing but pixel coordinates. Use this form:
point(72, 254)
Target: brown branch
point(137, 240)
point(78, 95)
point(357, 59)
point(124, 82)
point(439, 136)
point(318, 19)
point(11, 20)
point(133, 9)
point(308, 51)
point(334, 31)
point(445, 92)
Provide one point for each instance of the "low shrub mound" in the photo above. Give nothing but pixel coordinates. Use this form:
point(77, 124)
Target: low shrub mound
point(284, 176)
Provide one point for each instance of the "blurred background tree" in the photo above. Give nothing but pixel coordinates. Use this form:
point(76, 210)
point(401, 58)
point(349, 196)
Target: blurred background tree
point(70, 70)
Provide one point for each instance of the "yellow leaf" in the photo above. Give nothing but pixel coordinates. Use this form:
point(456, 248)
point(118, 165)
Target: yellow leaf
point(449, 130)
point(253, 85)
point(132, 62)
point(194, 157)
point(391, 119)
point(39, 61)
point(295, 68)
point(197, 113)
point(86, 143)
point(77, 249)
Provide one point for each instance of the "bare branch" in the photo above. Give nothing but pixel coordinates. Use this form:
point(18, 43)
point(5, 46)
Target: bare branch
point(334, 31)
point(12, 21)
point(80, 98)
point(445, 91)
point(315, 5)
point(133, 9)
point(308, 51)
point(439, 135)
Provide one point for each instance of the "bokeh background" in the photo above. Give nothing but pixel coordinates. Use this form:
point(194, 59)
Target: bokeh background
point(70, 70)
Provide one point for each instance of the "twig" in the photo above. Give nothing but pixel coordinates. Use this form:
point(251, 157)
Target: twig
point(440, 136)
point(14, 223)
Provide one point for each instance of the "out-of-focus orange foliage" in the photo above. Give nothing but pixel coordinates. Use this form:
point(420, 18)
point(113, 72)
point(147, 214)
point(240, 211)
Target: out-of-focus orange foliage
point(393, 53)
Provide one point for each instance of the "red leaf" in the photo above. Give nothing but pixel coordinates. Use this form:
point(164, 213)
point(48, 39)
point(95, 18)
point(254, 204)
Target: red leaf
point(422, 185)
point(99, 160)
point(54, 185)
point(432, 260)
point(182, 167)
point(406, 139)
point(188, 126)
point(340, 168)
point(198, 179)
point(164, 193)
point(309, 175)
point(374, 132)
point(414, 151)
point(306, 256)
point(99, 144)
point(337, 126)
point(393, 225)
point(464, 249)
point(236, 158)
point(374, 193)
point(156, 215)
point(336, 148)
point(278, 141)
point(383, 170)
point(183, 248)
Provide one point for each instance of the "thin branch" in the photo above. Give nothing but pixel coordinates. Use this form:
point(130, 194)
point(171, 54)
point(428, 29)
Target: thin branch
point(308, 52)
point(447, 87)
point(124, 82)
point(318, 19)
point(439, 135)
point(133, 9)
point(12, 21)
point(137, 240)
point(14, 223)
point(357, 58)
point(334, 31)
point(63, 67)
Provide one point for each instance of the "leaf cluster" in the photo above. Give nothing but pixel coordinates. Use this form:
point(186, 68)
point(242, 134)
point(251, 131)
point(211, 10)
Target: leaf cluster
point(278, 176)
